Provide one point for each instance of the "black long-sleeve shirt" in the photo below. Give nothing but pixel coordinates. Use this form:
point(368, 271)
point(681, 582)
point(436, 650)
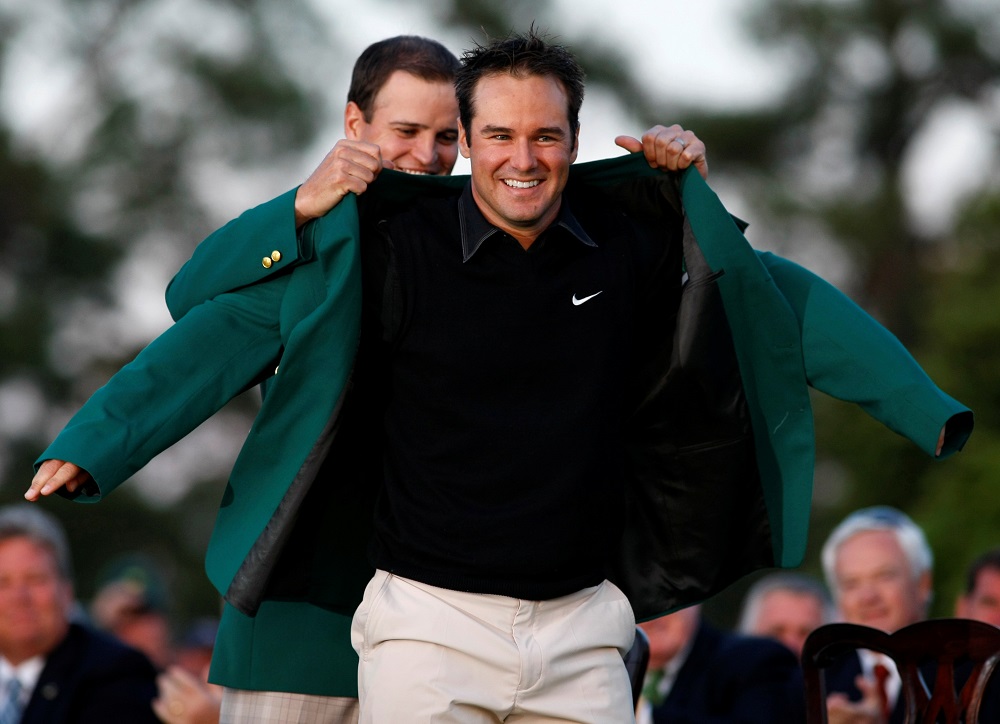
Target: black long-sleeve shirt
point(503, 428)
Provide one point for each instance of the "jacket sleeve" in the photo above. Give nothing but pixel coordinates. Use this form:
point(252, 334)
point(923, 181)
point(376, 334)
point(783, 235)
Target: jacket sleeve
point(181, 378)
point(260, 243)
point(850, 356)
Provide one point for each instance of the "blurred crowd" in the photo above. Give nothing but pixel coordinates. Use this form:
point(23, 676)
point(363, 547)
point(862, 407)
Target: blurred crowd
point(122, 658)
point(878, 571)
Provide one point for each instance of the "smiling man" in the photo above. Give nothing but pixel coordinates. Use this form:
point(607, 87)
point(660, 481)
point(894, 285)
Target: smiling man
point(503, 432)
point(878, 566)
point(523, 153)
point(401, 113)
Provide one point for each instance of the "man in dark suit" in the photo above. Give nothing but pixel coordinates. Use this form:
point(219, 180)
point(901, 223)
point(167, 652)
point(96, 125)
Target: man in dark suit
point(698, 674)
point(54, 670)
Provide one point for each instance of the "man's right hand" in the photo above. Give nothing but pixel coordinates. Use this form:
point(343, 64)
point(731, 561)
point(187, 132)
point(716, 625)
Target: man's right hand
point(348, 168)
point(53, 475)
point(840, 710)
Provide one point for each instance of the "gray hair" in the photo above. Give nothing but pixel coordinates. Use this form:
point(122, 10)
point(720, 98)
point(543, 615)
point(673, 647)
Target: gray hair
point(881, 517)
point(796, 583)
point(27, 520)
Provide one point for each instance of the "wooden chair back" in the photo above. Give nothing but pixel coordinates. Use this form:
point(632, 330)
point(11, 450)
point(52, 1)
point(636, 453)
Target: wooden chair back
point(947, 643)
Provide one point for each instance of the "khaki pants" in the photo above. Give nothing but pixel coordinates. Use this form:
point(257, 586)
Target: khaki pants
point(434, 655)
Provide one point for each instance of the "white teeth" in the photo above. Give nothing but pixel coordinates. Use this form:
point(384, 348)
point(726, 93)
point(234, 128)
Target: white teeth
point(414, 173)
point(521, 184)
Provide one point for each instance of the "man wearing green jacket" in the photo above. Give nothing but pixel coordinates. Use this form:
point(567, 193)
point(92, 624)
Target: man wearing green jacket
point(306, 316)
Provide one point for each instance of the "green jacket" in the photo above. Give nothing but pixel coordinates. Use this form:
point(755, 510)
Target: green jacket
point(784, 328)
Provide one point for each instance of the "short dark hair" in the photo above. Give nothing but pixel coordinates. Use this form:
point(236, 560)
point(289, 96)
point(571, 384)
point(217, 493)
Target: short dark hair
point(520, 55)
point(989, 559)
point(422, 57)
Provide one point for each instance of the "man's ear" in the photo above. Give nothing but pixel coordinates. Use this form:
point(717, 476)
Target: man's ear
point(463, 140)
point(354, 121)
point(576, 145)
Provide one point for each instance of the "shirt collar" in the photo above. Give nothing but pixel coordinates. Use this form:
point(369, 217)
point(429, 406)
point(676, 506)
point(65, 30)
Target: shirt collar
point(893, 684)
point(27, 672)
point(476, 229)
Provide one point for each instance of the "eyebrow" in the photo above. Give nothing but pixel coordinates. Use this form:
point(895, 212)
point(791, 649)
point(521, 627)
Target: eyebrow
point(421, 126)
point(545, 131)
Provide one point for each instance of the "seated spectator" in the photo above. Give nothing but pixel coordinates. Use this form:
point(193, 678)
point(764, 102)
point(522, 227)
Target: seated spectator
point(786, 607)
point(981, 599)
point(53, 669)
point(193, 651)
point(131, 605)
point(185, 695)
point(878, 565)
point(698, 674)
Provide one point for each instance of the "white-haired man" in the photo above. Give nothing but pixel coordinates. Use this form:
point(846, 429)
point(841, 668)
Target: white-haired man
point(878, 565)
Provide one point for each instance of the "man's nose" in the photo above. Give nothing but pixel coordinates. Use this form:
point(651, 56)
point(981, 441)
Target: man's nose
point(868, 592)
point(425, 151)
point(523, 157)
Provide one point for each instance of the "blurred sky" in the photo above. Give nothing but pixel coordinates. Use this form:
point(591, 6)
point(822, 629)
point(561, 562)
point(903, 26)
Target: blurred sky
point(687, 53)
point(690, 52)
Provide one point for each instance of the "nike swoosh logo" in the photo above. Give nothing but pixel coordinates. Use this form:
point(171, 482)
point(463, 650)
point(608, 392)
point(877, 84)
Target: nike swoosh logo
point(578, 302)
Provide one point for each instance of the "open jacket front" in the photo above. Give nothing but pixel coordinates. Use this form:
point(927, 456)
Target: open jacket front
point(720, 447)
point(708, 499)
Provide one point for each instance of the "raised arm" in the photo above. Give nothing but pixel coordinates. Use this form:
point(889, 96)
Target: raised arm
point(347, 169)
point(263, 241)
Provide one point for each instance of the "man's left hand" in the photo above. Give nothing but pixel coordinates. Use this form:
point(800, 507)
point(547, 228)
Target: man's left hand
point(670, 148)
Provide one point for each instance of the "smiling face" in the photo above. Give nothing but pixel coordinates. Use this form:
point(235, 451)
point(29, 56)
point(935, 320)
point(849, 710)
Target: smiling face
point(413, 121)
point(34, 600)
point(875, 584)
point(521, 147)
